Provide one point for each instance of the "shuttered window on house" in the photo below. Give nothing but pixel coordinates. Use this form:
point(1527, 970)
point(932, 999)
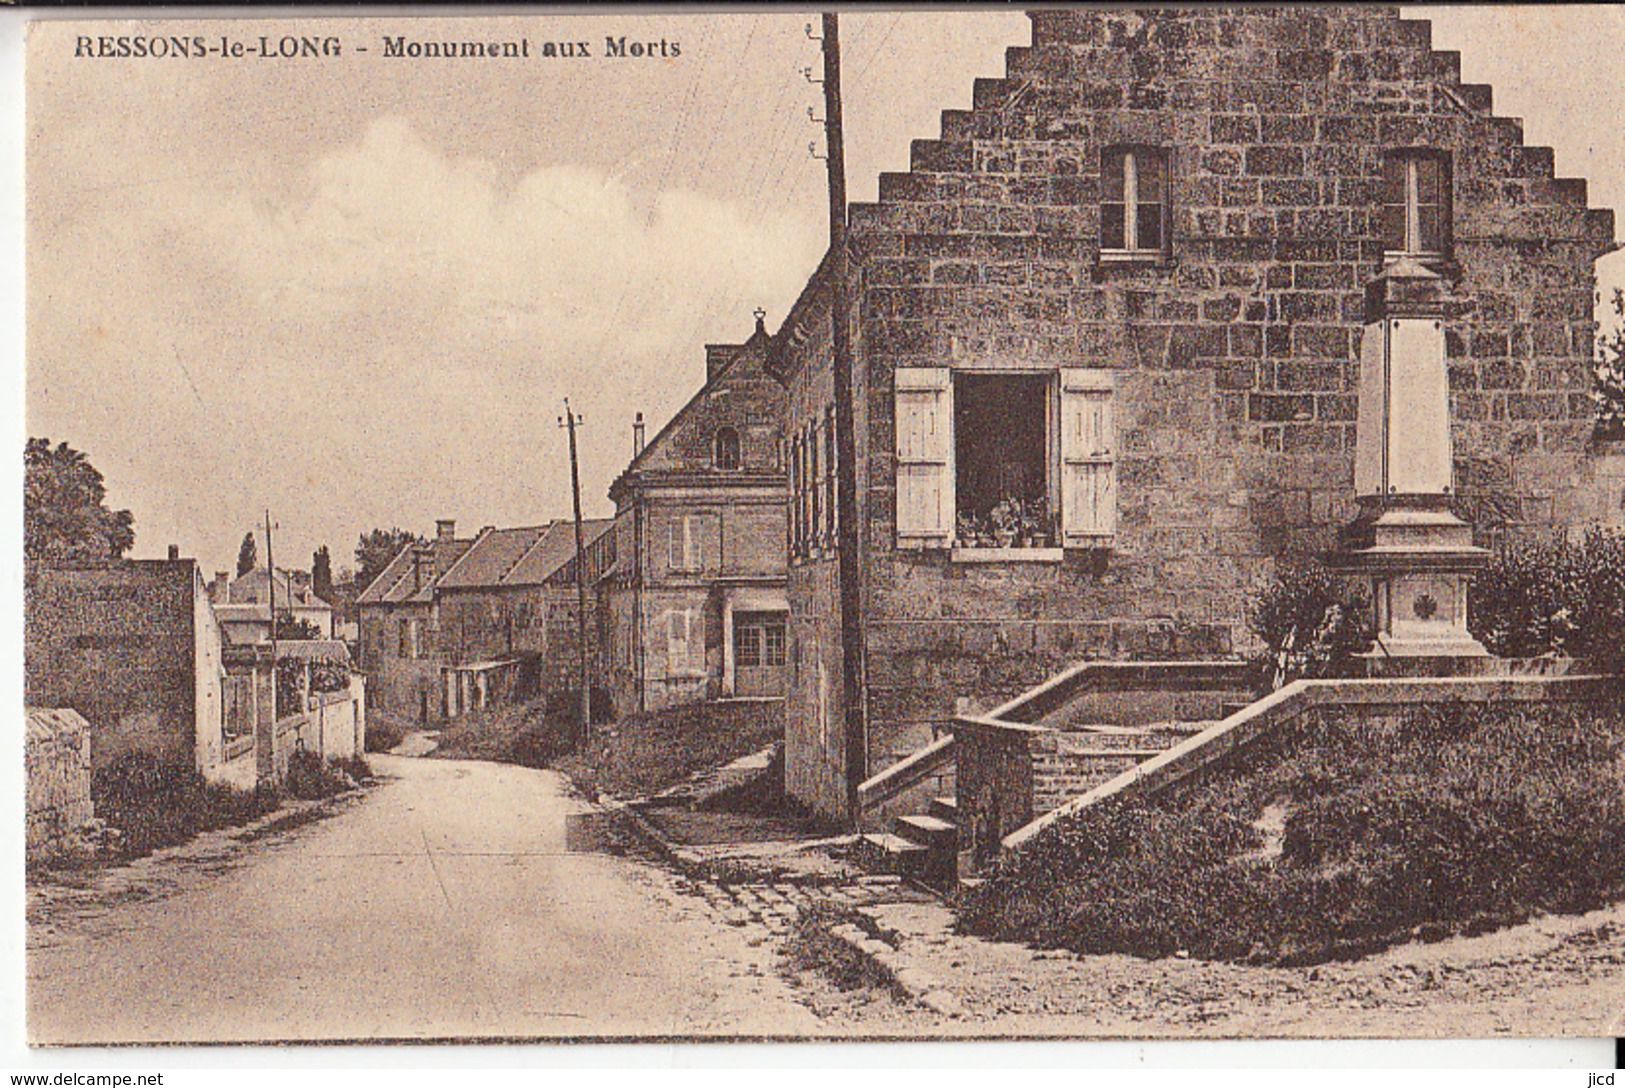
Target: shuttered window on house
point(1088, 442)
point(924, 447)
point(681, 637)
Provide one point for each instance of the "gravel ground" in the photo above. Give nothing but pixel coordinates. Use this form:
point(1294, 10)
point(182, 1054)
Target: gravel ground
point(1558, 976)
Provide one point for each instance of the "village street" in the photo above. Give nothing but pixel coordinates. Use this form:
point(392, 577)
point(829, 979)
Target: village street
point(455, 900)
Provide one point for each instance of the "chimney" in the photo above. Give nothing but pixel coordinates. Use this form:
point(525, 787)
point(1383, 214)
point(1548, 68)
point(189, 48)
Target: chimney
point(174, 552)
point(420, 560)
point(220, 591)
point(637, 434)
point(445, 530)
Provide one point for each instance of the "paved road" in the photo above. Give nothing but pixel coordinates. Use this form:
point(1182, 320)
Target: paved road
point(447, 904)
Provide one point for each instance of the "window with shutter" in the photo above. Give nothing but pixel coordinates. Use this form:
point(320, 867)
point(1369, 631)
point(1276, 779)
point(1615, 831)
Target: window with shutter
point(1088, 457)
point(680, 643)
point(924, 446)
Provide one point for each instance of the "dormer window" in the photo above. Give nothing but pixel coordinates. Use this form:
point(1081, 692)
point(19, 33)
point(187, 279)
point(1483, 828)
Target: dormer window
point(725, 449)
point(1416, 204)
point(1133, 204)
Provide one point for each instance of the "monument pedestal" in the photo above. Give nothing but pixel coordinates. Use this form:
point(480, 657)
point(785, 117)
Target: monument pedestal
point(1419, 561)
point(1417, 554)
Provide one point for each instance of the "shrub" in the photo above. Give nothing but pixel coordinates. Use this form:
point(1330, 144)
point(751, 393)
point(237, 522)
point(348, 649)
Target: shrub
point(1440, 821)
point(311, 778)
point(1312, 625)
point(383, 734)
point(158, 803)
point(1554, 596)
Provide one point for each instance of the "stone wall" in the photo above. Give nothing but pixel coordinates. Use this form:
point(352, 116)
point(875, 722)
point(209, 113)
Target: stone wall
point(117, 643)
point(1235, 357)
point(57, 760)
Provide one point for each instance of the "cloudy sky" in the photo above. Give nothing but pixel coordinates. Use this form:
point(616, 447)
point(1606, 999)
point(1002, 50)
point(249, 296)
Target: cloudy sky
point(356, 290)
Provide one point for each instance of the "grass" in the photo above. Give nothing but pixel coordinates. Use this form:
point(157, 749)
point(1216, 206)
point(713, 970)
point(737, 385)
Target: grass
point(813, 947)
point(154, 804)
point(1365, 834)
point(645, 753)
point(633, 757)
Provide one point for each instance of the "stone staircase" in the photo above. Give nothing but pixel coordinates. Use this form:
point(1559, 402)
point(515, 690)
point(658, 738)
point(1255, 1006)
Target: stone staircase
point(1088, 727)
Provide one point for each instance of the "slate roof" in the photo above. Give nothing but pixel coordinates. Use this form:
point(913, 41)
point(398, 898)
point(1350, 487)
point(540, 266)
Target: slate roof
point(394, 583)
point(555, 548)
point(492, 556)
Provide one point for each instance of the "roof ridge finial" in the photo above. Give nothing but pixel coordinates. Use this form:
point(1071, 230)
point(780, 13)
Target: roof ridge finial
point(761, 319)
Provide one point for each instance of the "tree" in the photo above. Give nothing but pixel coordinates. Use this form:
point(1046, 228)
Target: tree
point(374, 550)
point(65, 514)
point(248, 555)
point(321, 574)
point(289, 629)
point(1610, 374)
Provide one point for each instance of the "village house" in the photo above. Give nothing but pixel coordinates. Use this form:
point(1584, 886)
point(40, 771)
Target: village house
point(1107, 334)
point(400, 652)
point(694, 607)
point(243, 605)
point(499, 639)
point(132, 646)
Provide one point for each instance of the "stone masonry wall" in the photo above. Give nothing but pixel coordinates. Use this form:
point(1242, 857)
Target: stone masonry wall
point(1236, 358)
point(57, 758)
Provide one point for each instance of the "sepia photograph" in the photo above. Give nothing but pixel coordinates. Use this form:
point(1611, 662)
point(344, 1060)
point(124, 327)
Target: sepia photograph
point(1092, 523)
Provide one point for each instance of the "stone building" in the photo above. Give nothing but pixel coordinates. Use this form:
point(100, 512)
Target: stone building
point(243, 605)
point(398, 619)
point(133, 646)
point(694, 606)
point(500, 635)
point(1107, 339)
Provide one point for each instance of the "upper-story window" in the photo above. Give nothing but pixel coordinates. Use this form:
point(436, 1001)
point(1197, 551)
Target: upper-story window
point(1133, 203)
point(725, 449)
point(1416, 203)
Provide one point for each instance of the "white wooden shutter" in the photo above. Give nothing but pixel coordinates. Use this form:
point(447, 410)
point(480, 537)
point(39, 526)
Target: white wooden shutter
point(1088, 457)
point(679, 642)
point(925, 446)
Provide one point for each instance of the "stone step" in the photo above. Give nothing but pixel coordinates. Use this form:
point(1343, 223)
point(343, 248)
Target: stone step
point(928, 831)
point(887, 853)
point(945, 808)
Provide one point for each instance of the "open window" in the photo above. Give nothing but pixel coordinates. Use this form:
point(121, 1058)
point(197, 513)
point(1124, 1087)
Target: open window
point(1019, 462)
point(1416, 204)
point(1133, 204)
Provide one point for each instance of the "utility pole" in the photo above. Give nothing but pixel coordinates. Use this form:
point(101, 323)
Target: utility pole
point(270, 603)
point(570, 421)
point(847, 538)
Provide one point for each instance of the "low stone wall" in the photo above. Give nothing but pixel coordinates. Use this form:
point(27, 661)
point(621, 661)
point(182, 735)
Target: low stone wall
point(1300, 705)
point(57, 758)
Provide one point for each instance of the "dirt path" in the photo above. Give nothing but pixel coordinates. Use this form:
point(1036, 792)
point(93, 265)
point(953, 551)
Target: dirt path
point(458, 900)
point(1552, 977)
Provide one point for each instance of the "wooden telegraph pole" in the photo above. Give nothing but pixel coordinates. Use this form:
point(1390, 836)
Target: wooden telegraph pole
point(270, 601)
point(847, 539)
point(570, 421)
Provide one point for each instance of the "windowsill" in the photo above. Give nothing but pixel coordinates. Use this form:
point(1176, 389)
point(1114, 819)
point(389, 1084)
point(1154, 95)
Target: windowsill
point(1007, 555)
point(1133, 256)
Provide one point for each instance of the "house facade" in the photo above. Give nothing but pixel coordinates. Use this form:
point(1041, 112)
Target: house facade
point(243, 606)
point(499, 633)
point(134, 648)
point(693, 606)
point(398, 620)
point(1107, 337)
